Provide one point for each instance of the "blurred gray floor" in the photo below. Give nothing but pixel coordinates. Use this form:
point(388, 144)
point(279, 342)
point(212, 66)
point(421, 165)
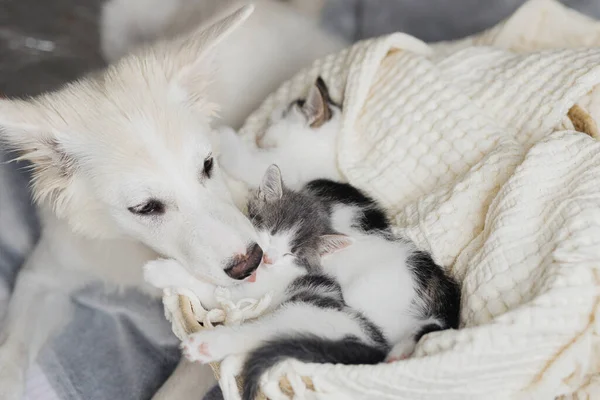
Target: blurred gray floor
point(44, 43)
point(430, 20)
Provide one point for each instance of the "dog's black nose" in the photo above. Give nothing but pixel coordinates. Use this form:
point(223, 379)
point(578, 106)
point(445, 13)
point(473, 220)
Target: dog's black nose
point(242, 267)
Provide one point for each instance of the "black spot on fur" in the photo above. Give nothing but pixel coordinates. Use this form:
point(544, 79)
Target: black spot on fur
point(338, 192)
point(427, 329)
point(310, 349)
point(439, 292)
point(316, 281)
point(317, 290)
point(372, 218)
point(370, 329)
point(317, 301)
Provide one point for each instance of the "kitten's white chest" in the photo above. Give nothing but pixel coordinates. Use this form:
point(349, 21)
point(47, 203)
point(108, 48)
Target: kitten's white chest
point(375, 280)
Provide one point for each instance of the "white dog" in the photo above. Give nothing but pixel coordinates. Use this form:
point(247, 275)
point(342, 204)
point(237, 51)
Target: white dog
point(124, 161)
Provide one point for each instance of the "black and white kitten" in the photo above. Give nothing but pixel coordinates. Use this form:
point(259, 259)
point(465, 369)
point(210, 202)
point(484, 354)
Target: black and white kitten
point(360, 296)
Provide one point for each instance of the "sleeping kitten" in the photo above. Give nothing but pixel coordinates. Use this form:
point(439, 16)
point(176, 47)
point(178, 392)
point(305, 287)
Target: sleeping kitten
point(422, 296)
point(366, 296)
point(301, 140)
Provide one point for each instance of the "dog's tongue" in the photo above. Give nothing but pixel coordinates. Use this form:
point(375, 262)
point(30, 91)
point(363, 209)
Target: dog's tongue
point(252, 278)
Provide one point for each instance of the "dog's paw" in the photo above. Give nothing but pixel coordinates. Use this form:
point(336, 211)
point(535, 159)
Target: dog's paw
point(163, 274)
point(401, 350)
point(207, 346)
point(154, 273)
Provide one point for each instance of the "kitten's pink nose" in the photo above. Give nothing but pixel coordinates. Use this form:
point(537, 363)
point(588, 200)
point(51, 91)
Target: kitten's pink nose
point(267, 260)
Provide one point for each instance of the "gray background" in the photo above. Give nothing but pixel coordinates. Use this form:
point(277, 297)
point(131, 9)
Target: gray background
point(44, 43)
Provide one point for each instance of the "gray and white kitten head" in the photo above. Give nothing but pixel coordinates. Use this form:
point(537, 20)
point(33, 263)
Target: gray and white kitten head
point(293, 227)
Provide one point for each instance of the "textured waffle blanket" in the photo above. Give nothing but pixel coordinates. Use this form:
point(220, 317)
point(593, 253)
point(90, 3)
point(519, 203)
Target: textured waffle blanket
point(469, 147)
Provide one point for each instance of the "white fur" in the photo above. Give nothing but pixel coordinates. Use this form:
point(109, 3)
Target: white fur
point(140, 130)
point(302, 153)
point(376, 279)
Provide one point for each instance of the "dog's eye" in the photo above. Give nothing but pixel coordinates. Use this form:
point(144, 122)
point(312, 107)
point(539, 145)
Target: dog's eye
point(208, 166)
point(151, 207)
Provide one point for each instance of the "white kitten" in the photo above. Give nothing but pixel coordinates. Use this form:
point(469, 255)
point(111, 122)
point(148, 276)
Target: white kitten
point(300, 140)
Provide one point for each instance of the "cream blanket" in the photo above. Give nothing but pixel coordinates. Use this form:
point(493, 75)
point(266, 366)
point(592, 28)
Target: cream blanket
point(469, 148)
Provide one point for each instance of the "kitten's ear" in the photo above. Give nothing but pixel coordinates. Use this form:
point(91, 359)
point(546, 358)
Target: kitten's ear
point(316, 107)
point(329, 244)
point(271, 187)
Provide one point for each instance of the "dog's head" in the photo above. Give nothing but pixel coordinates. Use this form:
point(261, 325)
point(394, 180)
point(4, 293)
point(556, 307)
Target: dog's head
point(129, 153)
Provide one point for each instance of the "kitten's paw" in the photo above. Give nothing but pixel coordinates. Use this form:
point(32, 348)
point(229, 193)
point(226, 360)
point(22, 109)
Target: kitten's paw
point(402, 350)
point(230, 368)
point(207, 346)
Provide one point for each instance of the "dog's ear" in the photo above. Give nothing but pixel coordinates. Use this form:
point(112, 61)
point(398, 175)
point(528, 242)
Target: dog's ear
point(271, 187)
point(190, 58)
point(26, 129)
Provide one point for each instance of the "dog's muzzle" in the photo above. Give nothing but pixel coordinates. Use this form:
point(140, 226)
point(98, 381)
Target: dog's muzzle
point(243, 266)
